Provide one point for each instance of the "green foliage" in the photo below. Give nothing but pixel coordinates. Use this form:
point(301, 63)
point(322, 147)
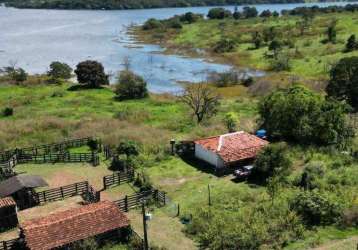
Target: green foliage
point(88, 244)
point(190, 17)
point(128, 148)
point(219, 13)
point(272, 161)
point(281, 62)
point(351, 44)
point(312, 176)
point(18, 75)
point(249, 12)
point(59, 71)
point(152, 23)
point(225, 45)
point(142, 181)
point(230, 225)
point(130, 86)
point(300, 115)
point(231, 121)
point(93, 144)
point(7, 112)
point(91, 73)
point(316, 208)
point(343, 83)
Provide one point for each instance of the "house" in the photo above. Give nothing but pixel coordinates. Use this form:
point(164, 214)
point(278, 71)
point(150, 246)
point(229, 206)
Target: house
point(21, 189)
point(8, 213)
point(228, 149)
point(61, 229)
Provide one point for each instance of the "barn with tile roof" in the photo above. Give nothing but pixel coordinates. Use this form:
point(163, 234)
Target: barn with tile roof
point(228, 149)
point(62, 229)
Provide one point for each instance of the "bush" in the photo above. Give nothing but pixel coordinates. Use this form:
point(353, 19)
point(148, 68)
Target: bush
point(152, 23)
point(219, 13)
point(88, 244)
point(350, 217)
point(59, 71)
point(143, 182)
point(281, 62)
point(190, 17)
point(312, 176)
point(130, 86)
point(250, 12)
point(93, 145)
point(18, 75)
point(231, 121)
point(248, 81)
point(8, 112)
point(272, 161)
point(91, 73)
point(225, 45)
point(225, 79)
point(316, 208)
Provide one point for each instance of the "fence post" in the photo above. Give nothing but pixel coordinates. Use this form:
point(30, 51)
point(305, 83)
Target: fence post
point(4, 245)
point(76, 188)
point(104, 183)
point(126, 203)
point(119, 178)
point(62, 192)
point(164, 198)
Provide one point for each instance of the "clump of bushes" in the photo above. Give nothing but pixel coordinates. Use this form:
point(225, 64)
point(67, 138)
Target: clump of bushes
point(130, 86)
point(7, 112)
point(225, 45)
point(316, 208)
point(91, 74)
point(219, 13)
point(152, 23)
point(143, 182)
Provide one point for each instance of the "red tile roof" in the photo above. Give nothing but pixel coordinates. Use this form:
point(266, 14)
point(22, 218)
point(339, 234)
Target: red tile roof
point(7, 202)
point(234, 146)
point(69, 226)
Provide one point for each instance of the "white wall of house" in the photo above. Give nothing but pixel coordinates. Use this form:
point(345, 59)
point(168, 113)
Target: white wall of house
point(208, 156)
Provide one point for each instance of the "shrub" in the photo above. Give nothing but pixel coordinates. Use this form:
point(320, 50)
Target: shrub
point(8, 112)
point(281, 62)
point(247, 82)
point(118, 164)
point(312, 175)
point(59, 71)
point(225, 45)
point(152, 23)
point(88, 244)
point(91, 73)
point(190, 17)
point(316, 208)
point(350, 217)
point(231, 121)
point(93, 145)
point(250, 12)
point(219, 13)
point(143, 182)
point(18, 75)
point(351, 44)
point(130, 86)
point(272, 161)
point(128, 148)
point(225, 79)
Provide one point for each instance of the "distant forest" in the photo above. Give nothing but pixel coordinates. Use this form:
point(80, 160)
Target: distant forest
point(130, 4)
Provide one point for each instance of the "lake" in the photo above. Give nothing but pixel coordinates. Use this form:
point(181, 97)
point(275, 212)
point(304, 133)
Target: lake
point(35, 38)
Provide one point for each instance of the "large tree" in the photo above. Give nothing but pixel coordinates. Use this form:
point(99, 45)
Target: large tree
point(298, 114)
point(343, 84)
point(91, 73)
point(130, 86)
point(202, 100)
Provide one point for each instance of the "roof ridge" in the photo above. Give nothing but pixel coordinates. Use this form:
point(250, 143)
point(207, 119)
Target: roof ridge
point(226, 135)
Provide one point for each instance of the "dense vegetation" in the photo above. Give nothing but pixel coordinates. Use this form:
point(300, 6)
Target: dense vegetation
point(130, 4)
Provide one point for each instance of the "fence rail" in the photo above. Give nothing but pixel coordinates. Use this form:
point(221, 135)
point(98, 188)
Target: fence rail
point(55, 158)
point(118, 178)
point(9, 244)
point(87, 192)
point(135, 200)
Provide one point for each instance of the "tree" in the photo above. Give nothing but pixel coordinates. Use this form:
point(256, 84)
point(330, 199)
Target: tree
point(273, 187)
point(256, 39)
point(266, 13)
point(91, 73)
point(331, 32)
point(152, 23)
point(59, 71)
point(281, 61)
point(18, 75)
point(128, 148)
point(7, 112)
point(190, 17)
point(343, 83)
point(231, 121)
point(300, 115)
point(351, 44)
point(250, 12)
point(201, 99)
point(130, 86)
point(219, 13)
point(272, 161)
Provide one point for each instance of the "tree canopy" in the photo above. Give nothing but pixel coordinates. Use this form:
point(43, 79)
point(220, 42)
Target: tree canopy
point(299, 115)
point(343, 84)
point(91, 73)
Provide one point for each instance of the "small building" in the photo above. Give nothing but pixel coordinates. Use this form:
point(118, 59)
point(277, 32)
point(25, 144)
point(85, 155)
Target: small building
point(8, 214)
point(21, 189)
point(60, 230)
point(229, 149)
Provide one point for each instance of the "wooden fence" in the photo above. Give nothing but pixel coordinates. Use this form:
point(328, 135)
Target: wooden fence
point(87, 192)
point(56, 158)
point(118, 178)
point(9, 244)
point(108, 152)
point(135, 200)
